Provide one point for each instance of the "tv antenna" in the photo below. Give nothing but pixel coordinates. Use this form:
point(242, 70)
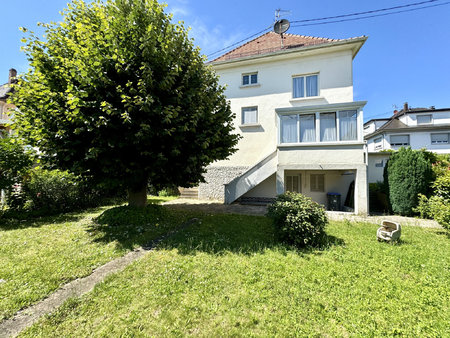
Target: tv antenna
point(281, 26)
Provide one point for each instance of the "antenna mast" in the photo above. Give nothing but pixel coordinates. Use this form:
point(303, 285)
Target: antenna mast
point(281, 26)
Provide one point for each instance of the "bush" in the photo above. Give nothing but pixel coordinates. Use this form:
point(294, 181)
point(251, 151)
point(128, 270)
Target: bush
point(15, 160)
point(169, 191)
point(435, 207)
point(53, 191)
point(409, 174)
point(298, 219)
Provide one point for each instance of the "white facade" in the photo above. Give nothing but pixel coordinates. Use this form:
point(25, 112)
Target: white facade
point(312, 144)
point(416, 128)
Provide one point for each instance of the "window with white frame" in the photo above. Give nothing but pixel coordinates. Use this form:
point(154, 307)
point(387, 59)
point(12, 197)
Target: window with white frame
point(249, 115)
point(305, 86)
point(378, 143)
point(317, 182)
point(249, 79)
point(424, 119)
point(293, 183)
point(308, 128)
point(439, 138)
point(327, 127)
point(348, 125)
point(289, 129)
point(399, 140)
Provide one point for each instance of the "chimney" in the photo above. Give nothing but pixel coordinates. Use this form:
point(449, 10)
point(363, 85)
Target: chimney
point(405, 106)
point(12, 76)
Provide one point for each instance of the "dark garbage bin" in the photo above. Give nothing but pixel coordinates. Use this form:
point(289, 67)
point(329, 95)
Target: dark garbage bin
point(333, 201)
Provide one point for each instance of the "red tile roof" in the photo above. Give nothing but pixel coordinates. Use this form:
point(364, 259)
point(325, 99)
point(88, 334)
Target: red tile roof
point(271, 42)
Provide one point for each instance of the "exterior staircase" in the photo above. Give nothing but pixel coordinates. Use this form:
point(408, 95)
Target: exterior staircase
point(251, 178)
point(191, 193)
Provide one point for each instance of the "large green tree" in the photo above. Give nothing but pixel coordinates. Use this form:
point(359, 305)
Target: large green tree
point(118, 92)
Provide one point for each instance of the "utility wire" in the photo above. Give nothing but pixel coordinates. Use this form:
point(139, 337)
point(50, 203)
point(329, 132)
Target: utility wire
point(366, 12)
point(371, 16)
point(237, 43)
point(342, 20)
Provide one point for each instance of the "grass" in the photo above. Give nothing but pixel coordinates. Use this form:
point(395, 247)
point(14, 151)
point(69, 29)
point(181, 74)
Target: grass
point(37, 256)
point(228, 276)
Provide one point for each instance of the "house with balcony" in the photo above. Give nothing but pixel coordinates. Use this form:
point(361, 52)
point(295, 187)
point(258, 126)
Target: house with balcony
point(418, 128)
point(5, 90)
point(301, 130)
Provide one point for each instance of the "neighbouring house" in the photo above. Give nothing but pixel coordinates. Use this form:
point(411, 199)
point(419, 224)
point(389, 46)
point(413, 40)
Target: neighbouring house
point(301, 129)
point(4, 106)
point(418, 128)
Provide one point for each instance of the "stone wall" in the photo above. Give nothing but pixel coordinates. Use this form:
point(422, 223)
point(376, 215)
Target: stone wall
point(215, 179)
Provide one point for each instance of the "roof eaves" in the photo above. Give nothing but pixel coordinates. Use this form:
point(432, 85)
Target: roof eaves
point(361, 39)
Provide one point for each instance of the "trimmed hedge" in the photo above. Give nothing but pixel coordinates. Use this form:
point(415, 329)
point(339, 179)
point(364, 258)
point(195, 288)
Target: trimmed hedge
point(409, 174)
point(298, 219)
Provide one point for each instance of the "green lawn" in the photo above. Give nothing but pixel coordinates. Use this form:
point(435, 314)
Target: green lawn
point(227, 276)
point(38, 256)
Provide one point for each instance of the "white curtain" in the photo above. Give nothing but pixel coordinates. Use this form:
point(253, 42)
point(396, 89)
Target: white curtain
point(289, 129)
point(249, 115)
point(298, 87)
point(327, 127)
point(347, 125)
point(312, 85)
point(307, 128)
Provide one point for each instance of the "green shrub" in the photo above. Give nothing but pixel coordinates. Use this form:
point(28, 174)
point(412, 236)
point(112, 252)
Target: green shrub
point(435, 207)
point(298, 219)
point(15, 160)
point(409, 174)
point(441, 185)
point(54, 191)
point(169, 191)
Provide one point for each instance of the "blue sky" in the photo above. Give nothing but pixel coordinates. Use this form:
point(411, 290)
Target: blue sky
point(406, 58)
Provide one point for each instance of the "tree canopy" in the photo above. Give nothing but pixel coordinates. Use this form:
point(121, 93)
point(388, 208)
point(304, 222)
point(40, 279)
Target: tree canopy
point(118, 92)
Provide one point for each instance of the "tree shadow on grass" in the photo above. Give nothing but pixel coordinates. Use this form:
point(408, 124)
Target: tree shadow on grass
point(240, 234)
point(23, 220)
point(131, 227)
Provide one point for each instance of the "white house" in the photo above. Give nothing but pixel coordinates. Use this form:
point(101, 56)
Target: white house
point(418, 128)
point(301, 130)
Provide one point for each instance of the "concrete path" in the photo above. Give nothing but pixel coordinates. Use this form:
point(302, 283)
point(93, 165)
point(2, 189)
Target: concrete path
point(26, 317)
point(218, 207)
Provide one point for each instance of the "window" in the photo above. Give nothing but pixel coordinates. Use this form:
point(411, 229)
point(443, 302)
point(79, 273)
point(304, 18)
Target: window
point(305, 86)
point(379, 164)
point(308, 128)
point(293, 183)
point(289, 129)
point(249, 79)
point(399, 140)
point(327, 127)
point(347, 125)
point(377, 143)
point(441, 138)
point(317, 182)
point(423, 119)
point(249, 115)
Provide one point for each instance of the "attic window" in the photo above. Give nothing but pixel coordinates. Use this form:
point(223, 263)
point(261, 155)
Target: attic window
point(249, 79)
point(424, 119)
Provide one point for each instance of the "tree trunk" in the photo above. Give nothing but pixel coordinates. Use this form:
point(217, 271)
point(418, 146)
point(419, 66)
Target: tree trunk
point(137, 196)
